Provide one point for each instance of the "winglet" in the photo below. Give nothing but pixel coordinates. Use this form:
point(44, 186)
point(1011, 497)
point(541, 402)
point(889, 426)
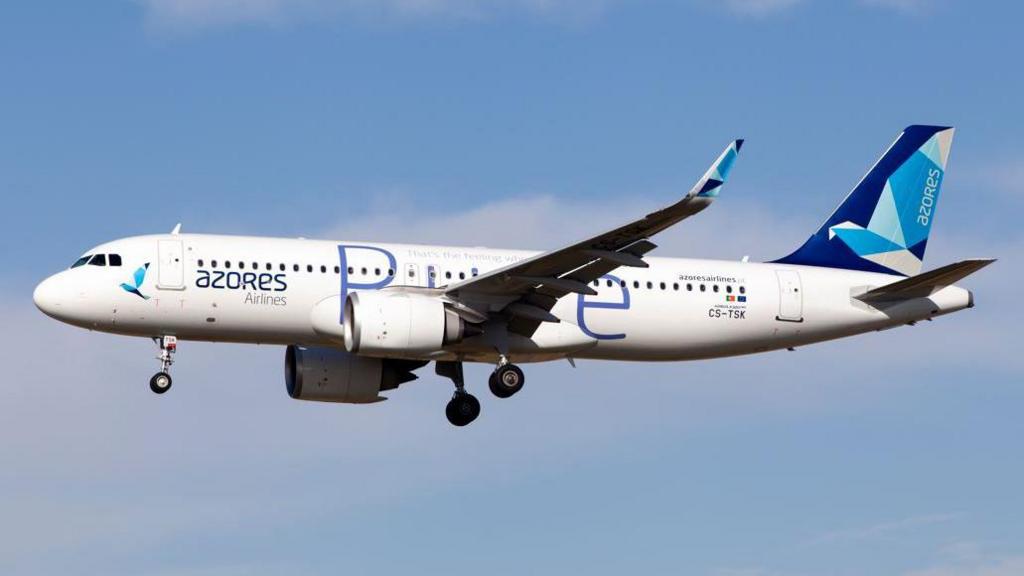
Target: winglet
point(711, 183)
point(177, 229)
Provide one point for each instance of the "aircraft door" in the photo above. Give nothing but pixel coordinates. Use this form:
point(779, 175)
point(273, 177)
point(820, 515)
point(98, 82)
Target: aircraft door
point(791, 298)
point(171, 267)
point(412, 275)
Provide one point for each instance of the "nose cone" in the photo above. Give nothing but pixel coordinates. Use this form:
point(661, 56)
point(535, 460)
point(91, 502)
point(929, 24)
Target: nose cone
point(47, 297)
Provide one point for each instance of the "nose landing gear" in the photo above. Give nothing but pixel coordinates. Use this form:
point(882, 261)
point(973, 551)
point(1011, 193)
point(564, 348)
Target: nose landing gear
point(161, 381)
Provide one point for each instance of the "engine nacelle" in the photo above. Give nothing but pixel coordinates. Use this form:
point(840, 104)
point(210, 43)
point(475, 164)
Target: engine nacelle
point(384, 323)
point(332, 375)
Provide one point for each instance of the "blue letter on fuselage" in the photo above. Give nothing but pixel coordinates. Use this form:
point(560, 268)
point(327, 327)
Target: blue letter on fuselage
point(582, 304)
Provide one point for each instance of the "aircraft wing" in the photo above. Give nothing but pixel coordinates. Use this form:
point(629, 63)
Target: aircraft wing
point(530, 288)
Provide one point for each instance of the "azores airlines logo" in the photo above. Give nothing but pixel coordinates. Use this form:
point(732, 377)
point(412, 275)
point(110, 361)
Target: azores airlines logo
point(137, 279)
point(896, 234)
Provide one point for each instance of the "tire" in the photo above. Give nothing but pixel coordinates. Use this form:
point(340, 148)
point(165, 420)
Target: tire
point(506, 381)
point(462, 409)
point(160, 382)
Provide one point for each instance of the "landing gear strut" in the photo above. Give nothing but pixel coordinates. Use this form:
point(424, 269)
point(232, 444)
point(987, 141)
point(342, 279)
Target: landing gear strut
point(507, 379)
point(463, 408)
point(161, 381)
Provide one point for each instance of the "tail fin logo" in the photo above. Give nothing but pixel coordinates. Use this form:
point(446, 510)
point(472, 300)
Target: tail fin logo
point(898, 229)
point(883, 225)
point(137, 279)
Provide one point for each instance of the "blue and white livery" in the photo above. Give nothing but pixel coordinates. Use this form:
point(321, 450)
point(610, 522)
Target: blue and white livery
point(360, 318)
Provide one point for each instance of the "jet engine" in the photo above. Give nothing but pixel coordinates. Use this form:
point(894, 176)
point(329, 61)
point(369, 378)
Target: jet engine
point(332, 375)
point(386, 323)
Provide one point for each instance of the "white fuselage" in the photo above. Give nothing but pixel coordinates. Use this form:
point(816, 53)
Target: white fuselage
point(264, 290)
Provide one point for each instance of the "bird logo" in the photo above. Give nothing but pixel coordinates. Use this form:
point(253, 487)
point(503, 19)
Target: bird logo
point(137, 278)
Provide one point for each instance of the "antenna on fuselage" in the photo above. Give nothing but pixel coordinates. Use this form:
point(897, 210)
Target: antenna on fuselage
point(177, 228)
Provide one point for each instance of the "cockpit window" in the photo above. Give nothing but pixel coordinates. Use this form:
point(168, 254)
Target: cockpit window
point(81, 261)
point(113, 259)
point(98, 260)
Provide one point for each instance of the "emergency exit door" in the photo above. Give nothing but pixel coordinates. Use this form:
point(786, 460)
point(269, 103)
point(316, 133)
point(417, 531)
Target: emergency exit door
point(171, 267)
point(791, 298)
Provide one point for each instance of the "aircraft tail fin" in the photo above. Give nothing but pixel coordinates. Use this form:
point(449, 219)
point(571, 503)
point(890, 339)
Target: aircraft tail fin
point(923, 285)
point(883, 224)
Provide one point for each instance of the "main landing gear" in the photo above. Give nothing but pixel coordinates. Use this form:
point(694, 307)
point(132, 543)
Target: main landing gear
point(161, 381)
point(506, 380)
point(463, 408)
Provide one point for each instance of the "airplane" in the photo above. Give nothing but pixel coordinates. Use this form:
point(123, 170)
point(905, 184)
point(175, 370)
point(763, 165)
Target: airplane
point(359, 318)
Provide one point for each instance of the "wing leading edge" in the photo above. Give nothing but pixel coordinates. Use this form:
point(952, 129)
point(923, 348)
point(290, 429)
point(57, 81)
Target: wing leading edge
point(535, 284)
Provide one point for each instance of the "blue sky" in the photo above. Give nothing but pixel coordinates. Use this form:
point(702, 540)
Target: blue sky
point(523, 123)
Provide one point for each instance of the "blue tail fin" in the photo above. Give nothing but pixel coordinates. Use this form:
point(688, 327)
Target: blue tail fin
point(883, 225)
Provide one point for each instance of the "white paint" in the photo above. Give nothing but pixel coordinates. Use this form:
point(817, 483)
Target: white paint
point(660, 324)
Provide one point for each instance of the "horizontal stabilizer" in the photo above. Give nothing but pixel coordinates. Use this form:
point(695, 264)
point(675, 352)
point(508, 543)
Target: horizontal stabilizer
point(924, 285)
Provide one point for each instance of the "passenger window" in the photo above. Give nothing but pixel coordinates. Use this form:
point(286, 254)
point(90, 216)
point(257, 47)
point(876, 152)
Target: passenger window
point(309, 267)
point(622, 283)
point(81, 261)
point(448, 275)
point(295, 267)
point(412, 274)
point(351, 270)
point(608, 283)
point(662, 285)
point(227, 263)
point(703, 288)
point(323, 269)
point(337, 269)
point(675, 285)
point(715, 287)
point(255, 266)
point(462, 275)
point(636, 284)
point(98, 260)
point(113, 260)
point(649, 286)
point(743, 290)
point(213, 263)
point(728, 289)
point(376, 271)
point(200, 263)
point(362, 271)
point(269, 266)
point(281, 267)
point(391, 272)
point(241, 265)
